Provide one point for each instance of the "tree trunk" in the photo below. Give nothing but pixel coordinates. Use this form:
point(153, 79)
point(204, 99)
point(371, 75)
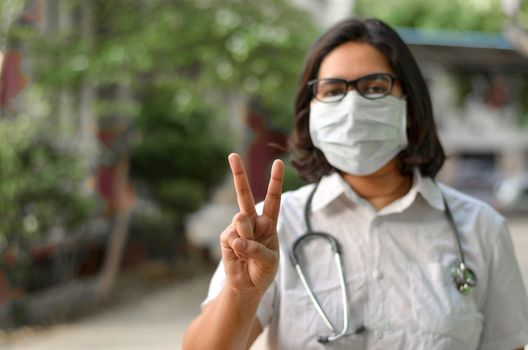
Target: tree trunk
point(123, 200)
point(114, 254)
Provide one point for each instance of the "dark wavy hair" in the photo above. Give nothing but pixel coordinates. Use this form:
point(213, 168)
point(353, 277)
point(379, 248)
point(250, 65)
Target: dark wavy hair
point(424, 149)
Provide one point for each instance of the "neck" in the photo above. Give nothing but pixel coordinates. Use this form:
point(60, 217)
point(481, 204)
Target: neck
point(381, 188)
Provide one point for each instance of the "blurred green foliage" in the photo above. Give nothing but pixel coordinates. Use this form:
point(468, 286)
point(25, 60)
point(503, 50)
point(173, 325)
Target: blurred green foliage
point(40, 181)
point(178, 157)
point(181, 62)
point(194, 48)
point(41, 172)
point(478, 15)
point(40, 189)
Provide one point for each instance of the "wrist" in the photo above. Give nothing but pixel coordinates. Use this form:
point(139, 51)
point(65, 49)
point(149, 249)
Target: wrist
point(247, 297)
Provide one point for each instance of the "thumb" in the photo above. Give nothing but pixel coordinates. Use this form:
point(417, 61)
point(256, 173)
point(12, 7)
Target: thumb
point(257, 251)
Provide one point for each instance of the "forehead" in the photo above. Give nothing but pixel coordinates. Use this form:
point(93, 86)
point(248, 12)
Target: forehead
point(353, 60)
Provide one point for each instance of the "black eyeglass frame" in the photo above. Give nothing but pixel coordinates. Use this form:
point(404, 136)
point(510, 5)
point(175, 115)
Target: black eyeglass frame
point(312, 83)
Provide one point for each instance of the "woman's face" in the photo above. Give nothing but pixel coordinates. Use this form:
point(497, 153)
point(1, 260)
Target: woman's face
point(354, 60)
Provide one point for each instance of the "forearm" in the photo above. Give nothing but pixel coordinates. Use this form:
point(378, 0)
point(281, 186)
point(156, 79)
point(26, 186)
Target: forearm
point(225, 324)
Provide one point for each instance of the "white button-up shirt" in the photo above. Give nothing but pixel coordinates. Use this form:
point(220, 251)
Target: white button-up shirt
point(397, 264)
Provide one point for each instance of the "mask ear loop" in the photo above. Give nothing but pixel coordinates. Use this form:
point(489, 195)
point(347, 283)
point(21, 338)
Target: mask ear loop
point(463, 277)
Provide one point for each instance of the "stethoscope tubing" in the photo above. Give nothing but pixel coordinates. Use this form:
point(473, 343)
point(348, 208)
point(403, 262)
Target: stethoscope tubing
point(336, 250)
point(313, 298)
point(451, 221)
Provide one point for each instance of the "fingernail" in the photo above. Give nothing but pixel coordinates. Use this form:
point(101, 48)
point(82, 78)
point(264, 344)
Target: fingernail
point(240, 244)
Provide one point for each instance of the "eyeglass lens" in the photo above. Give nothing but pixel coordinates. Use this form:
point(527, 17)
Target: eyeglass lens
point(371, 87)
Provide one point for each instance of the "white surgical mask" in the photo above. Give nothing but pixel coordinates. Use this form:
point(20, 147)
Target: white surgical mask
point(357, 135)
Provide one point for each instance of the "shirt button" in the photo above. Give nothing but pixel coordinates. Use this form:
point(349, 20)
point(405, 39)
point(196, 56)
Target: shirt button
point(378, 334)
point(378, 275)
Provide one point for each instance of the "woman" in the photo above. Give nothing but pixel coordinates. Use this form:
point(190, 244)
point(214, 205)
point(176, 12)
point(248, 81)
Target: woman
point(425, 267)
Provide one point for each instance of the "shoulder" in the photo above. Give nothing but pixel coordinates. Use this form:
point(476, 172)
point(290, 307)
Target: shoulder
point(298, 196)
point(292, 208)
point(461, 201)
point(473, 212)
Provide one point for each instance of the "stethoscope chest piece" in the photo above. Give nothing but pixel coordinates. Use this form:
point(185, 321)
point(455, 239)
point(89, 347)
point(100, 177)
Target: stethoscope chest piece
point(464, 278)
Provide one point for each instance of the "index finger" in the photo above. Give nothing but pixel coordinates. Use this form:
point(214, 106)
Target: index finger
point(273, 196)
point(245, 200)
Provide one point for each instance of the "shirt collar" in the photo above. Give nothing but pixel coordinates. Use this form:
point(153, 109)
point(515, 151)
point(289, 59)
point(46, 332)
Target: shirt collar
point(429, 190)
point(332, 186)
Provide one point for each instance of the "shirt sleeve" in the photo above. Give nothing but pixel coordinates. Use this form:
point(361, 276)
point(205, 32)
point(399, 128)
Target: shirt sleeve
point(265, 308)
point(215, 285)
point(505, 306)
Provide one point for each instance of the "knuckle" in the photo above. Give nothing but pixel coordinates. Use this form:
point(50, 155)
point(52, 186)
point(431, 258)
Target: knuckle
point(239, 171)
point(244, 191)
point(239, 217)
point(227, 233)
point(252, 247)
point(265, 223)
point(273, 196)
point(276, 178)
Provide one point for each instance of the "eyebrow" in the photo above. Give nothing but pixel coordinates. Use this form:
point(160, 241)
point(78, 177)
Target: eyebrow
point(359, 77)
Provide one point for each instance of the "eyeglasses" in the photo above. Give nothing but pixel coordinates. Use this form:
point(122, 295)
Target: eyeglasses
point(372, 86)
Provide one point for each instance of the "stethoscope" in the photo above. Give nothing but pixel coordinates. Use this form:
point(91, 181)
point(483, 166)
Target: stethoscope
point(463, 277)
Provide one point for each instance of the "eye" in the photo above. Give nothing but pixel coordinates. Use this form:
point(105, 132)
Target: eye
point(375, 87)
point(328, 89)
point(331, 92)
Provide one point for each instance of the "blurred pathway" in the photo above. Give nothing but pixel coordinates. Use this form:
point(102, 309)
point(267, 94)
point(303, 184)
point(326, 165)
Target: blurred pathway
point(158, 320)
point(154, 322)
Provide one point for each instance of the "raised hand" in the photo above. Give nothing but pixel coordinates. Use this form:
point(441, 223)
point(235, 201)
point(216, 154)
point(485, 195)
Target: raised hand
point(250, 248)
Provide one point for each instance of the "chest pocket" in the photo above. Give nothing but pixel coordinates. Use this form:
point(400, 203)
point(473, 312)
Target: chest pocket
point(438, 307)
